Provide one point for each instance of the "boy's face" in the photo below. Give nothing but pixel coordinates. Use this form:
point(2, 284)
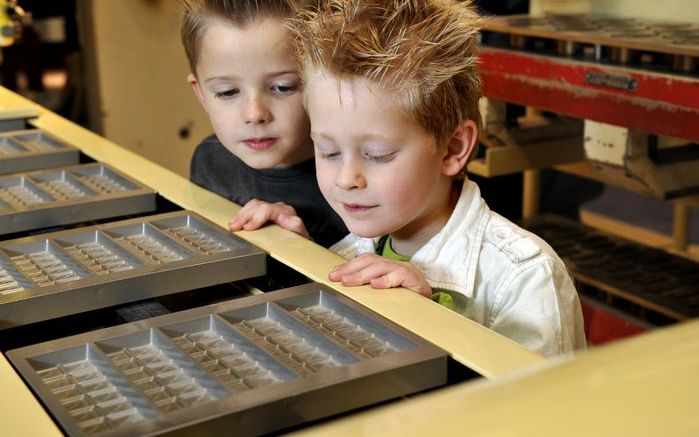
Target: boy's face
point(248, 84)
point(376, 166)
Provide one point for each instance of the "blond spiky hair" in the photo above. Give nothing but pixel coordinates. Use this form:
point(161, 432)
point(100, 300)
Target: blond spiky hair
point(424, 50)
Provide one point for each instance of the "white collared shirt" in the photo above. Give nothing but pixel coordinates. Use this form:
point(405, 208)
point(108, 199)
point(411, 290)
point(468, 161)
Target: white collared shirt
point(498, 275)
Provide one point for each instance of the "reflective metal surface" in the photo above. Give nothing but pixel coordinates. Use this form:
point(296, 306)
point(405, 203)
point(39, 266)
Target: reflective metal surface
point(24, 150)
point(247, 366)
point(69, 195)
point(67, 272)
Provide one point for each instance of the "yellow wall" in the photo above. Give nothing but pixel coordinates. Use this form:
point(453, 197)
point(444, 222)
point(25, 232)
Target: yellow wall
point(142, 95)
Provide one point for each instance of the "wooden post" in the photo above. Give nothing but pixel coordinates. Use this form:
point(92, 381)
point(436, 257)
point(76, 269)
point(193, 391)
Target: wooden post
point(680, 226)
point(531, 193)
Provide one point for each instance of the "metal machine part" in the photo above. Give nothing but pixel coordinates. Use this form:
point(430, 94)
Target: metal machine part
point(67, 272)
point(639, 75)
point(631, 73)
point(69, 195)
point(247, 366)
point(31, 149)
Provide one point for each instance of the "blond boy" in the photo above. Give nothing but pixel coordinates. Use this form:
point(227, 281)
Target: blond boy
point(392, 91)
point(244, 75)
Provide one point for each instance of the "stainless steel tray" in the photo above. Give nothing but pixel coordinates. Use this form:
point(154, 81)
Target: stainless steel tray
point(67, 272)
point(32, 149)
point(69, 195)
point(247, 366)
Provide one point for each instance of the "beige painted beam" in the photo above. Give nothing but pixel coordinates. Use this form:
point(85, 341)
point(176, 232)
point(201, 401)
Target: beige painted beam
point(22, 414)
point(506, 159)
point(645, 386)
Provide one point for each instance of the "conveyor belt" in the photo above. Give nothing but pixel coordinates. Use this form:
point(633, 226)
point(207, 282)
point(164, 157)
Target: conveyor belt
point(651, 278)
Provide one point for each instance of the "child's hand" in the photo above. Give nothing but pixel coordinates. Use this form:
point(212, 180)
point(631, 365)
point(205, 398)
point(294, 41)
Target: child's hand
point(256, 213)
point(380, 272)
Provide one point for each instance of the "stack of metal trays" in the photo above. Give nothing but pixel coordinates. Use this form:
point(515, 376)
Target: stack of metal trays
point(67, 272)
point(67, 195)
point(651, 278)
point(247, 366)
point(32, 149)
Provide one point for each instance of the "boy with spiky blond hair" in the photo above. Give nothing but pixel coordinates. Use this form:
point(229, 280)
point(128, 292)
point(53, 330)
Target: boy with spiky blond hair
point(392, 89)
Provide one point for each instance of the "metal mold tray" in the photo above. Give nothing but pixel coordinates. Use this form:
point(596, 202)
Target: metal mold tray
point(32, 149)
point(69, 195)
point(67, 272)
point(248, 366)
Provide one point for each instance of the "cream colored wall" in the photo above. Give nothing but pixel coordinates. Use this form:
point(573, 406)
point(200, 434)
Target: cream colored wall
point(671, 10)
point(143, 98)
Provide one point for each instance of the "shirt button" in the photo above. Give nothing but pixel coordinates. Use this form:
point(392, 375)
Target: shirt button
point(502, 233)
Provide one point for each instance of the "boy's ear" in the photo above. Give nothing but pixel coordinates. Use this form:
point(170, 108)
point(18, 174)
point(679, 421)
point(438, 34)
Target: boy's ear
point(194, 83)
point(463, 142)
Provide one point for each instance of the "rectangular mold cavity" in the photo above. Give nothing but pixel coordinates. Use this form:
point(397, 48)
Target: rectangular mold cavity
point(234, 360)
point(202, 371)
point(98, 253)
point(11, 281)
point(10, 147)
point(149, 244)
point(24, 150)
point(102, 179)
point(165, 375)
point(195, 235)
point(44, 263)
point(353, 330)
point(87, 392)
point(83, 269)
point(20, 192)
point(61, 185)
point(36, 140)
point(305, 350)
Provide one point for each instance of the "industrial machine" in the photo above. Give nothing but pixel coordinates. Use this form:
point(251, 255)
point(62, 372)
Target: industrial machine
point(611, 99)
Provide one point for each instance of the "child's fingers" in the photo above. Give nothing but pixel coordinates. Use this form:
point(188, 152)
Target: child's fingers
point(258, 218)
point(403, 277)
point(358, 263)
point(243, 216)
point(237, 222)
point(369, 272)
point(353, 266)
point(292, 223)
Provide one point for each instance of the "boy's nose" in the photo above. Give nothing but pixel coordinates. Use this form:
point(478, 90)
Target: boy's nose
point(256, 111)
point(350, 176)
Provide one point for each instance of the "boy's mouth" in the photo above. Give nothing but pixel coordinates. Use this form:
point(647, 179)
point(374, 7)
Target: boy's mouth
point(260, 144)
point(355, 208)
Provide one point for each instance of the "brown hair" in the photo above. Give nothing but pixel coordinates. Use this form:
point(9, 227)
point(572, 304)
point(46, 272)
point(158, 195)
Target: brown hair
point(424, 50)
point(197, 14)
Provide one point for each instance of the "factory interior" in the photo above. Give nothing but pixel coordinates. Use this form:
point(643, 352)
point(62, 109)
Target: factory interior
point(128, 306)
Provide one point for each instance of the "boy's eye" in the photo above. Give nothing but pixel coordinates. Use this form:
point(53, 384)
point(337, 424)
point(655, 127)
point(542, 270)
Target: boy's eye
point(328, 155)
point(227, 94)
point(284, 88)
point(380, 158)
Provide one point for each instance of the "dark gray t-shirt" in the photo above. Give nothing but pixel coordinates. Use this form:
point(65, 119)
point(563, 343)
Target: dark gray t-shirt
point(218, 170)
